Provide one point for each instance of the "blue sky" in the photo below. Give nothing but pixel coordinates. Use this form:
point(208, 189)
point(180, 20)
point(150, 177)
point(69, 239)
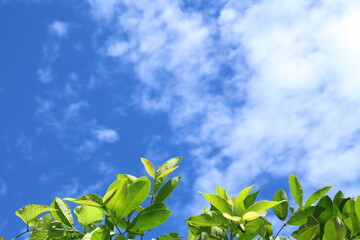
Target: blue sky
point(246, 91)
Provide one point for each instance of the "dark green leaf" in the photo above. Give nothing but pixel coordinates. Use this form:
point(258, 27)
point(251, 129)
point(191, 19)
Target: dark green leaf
point(281, 210)
point(300, 217)
point(167, 189)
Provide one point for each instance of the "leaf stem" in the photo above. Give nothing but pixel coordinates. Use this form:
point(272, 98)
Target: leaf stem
point(285, 224)
point(28, 230)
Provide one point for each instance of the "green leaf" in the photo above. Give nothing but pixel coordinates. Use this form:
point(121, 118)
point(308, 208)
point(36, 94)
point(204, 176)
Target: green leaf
point(222, 192)
point(281, 210)
point(119, 198)
point(43, 229)
point(100, 233)
point(88, 214)
point(350, 218)
point(218, 202)
point(296, 189)
point(149, 218)
point(128, 177)
point(324, 210)
point(169, 164)
point(167, 172)
point(250, 199)
point(239, 203)
point(29, 213)
point(335, 229)
point(149, 167)
point(109, 195)
point(357, 206)
point(88, 199)
point(138, 191)
point(262, 205)
point(167, 189)
point(309, 233)
point(255, 227)
point(63, 212)
point(210, 218)
point(317, 195)
point(300, 216)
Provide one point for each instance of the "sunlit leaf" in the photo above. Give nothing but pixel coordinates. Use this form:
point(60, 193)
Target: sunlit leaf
point(335, 229)
point(232, 218)
point(281, 210)
point(317, 195)
point(29, 213)
point(63, 212)
point(218, 202)
point(239, 203)
point(210, 218)
point(296, 189)
point(149, 167)
point(167, 189)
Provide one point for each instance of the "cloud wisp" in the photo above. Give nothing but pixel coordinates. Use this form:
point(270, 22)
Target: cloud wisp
point(266, 88)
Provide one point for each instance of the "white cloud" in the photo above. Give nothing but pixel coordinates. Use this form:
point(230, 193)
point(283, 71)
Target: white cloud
point(106, 135)
point(59, 28)
point(117, 49)
point(264, 89)
point(45, 74)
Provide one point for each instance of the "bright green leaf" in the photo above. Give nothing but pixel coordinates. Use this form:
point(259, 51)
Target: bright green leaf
point(357, 206)
point(239, 203)
point(210, 218)
point(149, 167)
point(317, 195)
point(88, 199)
point(167, 189)
point(88, 214)
point(250, 199)
point(29, 213)
point(262, 205)
point(109, 195)
point(222, 192)
point(137, 192)
point(119, 198)
point(63, 212)
point(296, 189)
point(167, 172)
point(218, 202)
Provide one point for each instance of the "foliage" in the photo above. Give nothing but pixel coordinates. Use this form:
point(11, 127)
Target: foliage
point(118, 215)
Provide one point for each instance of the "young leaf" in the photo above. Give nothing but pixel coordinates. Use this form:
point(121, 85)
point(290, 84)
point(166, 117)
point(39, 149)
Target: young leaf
point(167, 172)
point(210, 218)
point(239, 203)
point(262, 205)
point(169, 164)
point(232, 218)
point(218, 202)
point(167, 189)
point(29, 213)
point(248, 216)
point(335, 229)
point(108, 195)
point(149, 167)
point(222, 192)
point(296, 189)
point(281, 210)
point(63, 212)
point(317, 195)
point(88, 199)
